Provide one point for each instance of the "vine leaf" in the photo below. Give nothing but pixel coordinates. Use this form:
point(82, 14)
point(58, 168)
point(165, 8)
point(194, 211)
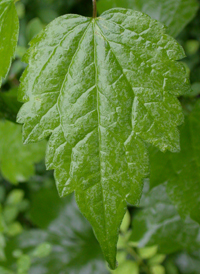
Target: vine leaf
point(16, 160)
point(174, 14)
point(175, 169)
point(9, 28)
point(100, 87)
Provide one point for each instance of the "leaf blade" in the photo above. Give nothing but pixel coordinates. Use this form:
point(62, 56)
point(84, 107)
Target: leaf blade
point(96, 145)
point(9, 29)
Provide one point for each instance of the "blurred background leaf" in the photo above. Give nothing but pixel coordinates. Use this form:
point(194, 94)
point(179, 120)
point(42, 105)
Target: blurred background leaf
point(64, 239)
point(16, 160)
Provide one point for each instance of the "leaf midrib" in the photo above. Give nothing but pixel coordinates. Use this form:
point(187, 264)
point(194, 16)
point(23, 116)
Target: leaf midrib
point(101, 31)
point(99, 140)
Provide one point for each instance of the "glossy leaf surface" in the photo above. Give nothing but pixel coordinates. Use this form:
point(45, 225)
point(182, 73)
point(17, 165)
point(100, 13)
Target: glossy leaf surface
point(158, 223)
point(100, 87)
point(175, 14)
point(17, 160)
point(9, 28)
point(74, 247)
point(181, 170)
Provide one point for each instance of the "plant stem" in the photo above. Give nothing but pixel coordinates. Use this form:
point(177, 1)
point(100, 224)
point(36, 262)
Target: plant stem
point(94, 8)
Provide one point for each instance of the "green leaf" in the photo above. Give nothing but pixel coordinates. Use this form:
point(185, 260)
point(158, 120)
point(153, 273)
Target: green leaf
point(174, 14)
point(33, 28)
point(15, 197)
point(157, 259)
point(147, 252)
point(181, 170)
point(9, 28)
point(43, 250)
point(14, 204)
point(157, 269)
point(125, 223)
point(74, 248)
point(20, 7)
point(128, 267)
point(158, 223)
point(100, 88)
point(23, 264)
point(195, 90)
point(192, 46)
point(14, 229)
point(17, 160)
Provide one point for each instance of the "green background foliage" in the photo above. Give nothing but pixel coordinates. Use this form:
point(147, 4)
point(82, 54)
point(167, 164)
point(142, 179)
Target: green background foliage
point(41, 233)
